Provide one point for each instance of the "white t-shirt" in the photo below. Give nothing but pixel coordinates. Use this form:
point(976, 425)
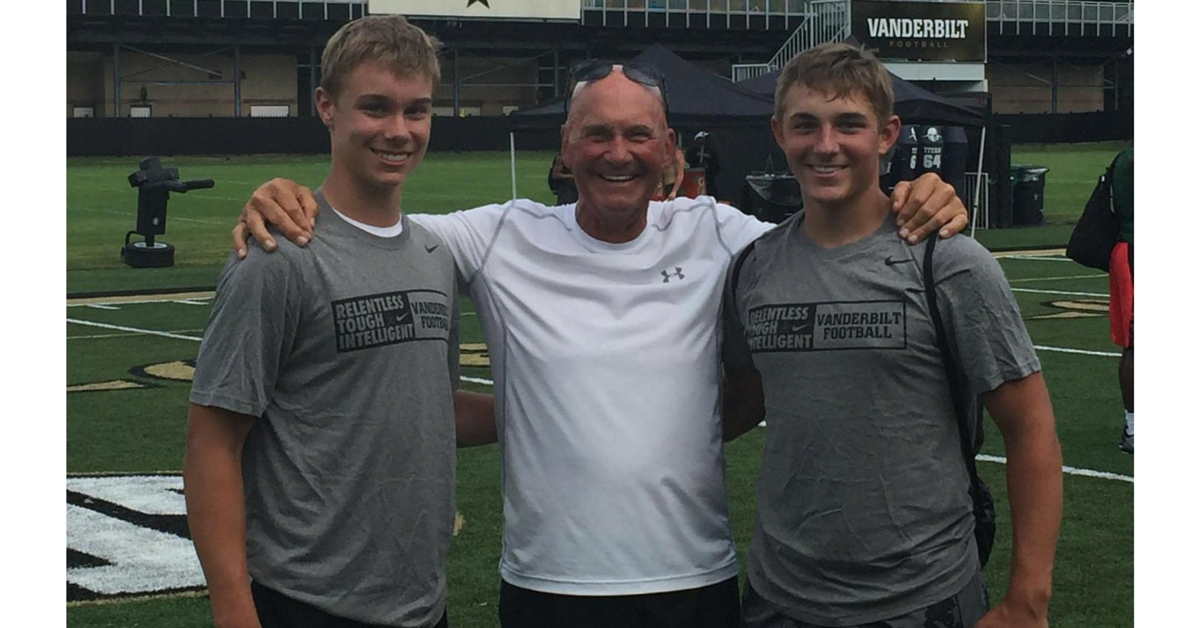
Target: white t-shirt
point(605, 359)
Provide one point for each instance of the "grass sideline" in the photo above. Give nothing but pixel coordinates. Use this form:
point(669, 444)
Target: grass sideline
point(101, 206)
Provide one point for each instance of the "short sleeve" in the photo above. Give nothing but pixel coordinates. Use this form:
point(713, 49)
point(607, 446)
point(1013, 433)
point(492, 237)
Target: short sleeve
point(738, 229)
point(468, 233)
point(982, 316)
point(249, 335)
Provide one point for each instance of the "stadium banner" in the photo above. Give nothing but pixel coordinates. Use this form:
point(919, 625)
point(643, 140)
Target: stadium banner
point(483, 9)
point(921, 31)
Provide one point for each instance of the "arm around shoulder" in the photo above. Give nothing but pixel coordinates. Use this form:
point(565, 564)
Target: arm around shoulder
point(742, 407)
point(474, 418)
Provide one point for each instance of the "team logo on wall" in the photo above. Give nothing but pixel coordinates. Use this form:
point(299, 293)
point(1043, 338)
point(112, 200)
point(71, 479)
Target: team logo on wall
point(921, 31)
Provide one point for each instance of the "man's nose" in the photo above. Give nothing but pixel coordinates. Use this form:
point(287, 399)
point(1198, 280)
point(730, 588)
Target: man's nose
point(618, 151)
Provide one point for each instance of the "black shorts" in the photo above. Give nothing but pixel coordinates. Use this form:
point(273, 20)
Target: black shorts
point(712, 606)
point(961, 610)
point(276, 610)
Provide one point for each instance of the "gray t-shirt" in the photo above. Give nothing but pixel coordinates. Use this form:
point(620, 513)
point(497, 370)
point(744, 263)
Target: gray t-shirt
point(863, 504)
point(347, 350)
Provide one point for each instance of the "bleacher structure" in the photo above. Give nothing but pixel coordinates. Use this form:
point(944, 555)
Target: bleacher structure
point(201, 58)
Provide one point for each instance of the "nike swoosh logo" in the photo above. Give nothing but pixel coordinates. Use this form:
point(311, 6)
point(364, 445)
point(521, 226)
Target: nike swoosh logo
point(430, 249)
point(892, 262)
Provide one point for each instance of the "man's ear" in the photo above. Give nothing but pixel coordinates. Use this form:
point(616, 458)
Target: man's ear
point(325, 106)
point(889, 134)
point(777, 131)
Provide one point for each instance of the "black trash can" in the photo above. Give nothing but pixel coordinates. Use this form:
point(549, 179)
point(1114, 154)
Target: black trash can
point(1029, 192)
point(771, 197)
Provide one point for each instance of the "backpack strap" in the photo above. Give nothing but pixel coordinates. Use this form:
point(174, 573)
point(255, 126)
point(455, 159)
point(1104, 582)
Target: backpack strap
point(737, 270)
point(952, 367)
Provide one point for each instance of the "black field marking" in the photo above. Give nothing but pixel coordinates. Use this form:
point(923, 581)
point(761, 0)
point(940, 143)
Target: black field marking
point(76, 558)
point(76, 594)
point(142, 371)
point(170, 524)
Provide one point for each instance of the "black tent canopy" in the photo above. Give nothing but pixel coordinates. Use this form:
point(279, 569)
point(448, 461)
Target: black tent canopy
point(695, 96)
point(914, 105)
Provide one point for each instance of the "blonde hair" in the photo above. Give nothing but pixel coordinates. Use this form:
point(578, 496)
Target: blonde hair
point(389, 38)
point(839, 70)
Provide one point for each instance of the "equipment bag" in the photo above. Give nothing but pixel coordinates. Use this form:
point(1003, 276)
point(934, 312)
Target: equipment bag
point(1095, 234)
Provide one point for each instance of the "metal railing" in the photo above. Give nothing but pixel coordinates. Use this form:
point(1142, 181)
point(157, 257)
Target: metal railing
point(744, 71)
point(233, 9)
point(722, 7)
point(825, 20)
point(984, 208)
point(1015, 16)
point(1073, 16)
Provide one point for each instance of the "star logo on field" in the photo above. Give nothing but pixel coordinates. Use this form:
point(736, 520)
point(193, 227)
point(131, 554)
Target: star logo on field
point(483, 2)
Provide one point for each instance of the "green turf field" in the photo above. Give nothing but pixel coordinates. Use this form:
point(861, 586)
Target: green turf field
point(128, 376)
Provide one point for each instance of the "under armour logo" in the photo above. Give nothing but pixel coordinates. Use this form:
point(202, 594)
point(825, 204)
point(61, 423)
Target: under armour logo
point(667, 276)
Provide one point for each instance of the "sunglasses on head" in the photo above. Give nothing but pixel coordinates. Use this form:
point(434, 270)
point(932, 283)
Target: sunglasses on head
point(594, 70)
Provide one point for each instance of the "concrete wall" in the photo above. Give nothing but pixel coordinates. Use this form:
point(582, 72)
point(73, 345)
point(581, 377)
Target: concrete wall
point(1028, 87)
point(85, 82)
point(515, 76)
point(175, 90)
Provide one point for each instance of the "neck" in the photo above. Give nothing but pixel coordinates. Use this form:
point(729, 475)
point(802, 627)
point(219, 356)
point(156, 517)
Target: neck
point(378, 206)
point(832, 226)
point(611, 227)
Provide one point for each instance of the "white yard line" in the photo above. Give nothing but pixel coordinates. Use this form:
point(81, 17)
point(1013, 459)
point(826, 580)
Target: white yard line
point(1034, 254)
point(1036, 258)
point(1056, 278)
point(1089, 473)
point(1105, 354)
point(139, 299)
point(1063, 292)
point(128, 334)
point(148, 332)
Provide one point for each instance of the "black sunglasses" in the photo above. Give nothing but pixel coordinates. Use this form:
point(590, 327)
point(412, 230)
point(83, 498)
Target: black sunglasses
point(594, 70)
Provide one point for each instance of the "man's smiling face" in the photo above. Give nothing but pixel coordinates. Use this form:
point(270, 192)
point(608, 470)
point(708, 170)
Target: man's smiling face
point(616, 141)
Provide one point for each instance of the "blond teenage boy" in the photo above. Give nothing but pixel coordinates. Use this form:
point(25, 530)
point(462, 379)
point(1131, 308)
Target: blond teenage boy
point(319, 469)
